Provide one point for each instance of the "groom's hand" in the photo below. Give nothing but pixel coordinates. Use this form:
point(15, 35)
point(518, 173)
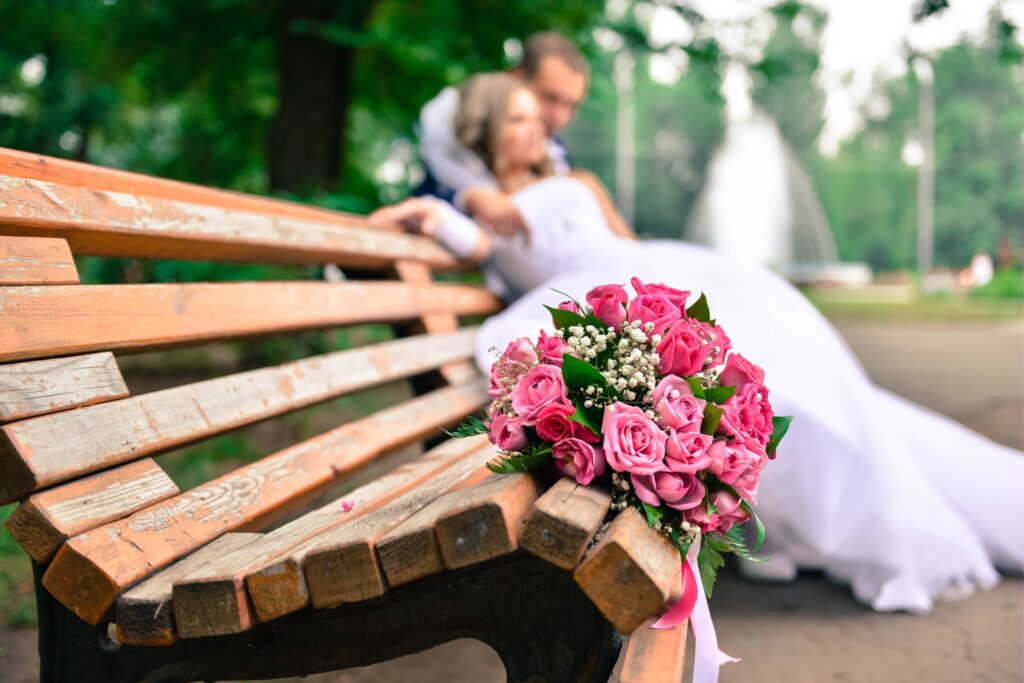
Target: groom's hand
point(495, 209)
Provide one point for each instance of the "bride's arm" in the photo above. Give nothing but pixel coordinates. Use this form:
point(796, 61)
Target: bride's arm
point(615, 220)
point(438, 219)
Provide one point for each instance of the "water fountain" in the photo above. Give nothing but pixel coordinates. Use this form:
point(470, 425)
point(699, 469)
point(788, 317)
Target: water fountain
point(759, 205)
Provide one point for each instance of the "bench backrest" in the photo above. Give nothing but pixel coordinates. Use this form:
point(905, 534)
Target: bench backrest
point(75, 447)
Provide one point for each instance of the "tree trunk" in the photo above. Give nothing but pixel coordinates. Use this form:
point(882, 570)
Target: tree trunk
point(307, 145)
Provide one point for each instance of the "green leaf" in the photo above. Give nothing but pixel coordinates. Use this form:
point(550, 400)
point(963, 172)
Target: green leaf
point(588, 417)
point(563, 318)
point(520, 462)
point(699, 310)
point(579, 374)
point(682, 543)
point(720, 394)
point(712, 416)
point(709, 561)
point(570, 297)
point(734, 542)
point(760, 525)
point(780, 425)
point(592, 319)
point(471, 427)
point(694, 382)
point(653, 513)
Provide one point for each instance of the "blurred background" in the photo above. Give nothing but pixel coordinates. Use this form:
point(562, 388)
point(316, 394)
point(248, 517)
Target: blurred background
point(872, 151)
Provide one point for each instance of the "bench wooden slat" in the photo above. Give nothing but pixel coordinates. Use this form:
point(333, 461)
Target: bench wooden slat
point(26, 165)
point(212, 601)
point(485, 521)
point(39, 387)
point(62, 320)
point(563, 521)
point(280, 588)
point(45, 450)
point(629, 574)
point(107, 223)
point(36, 261)
point(47, 519)
point(655, 655)
point(343, 566)
point(144, 613)
point(415, 273)
point(92, 569)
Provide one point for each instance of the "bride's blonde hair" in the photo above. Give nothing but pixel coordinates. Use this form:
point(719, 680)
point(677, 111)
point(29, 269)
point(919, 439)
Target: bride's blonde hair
point(483, 110)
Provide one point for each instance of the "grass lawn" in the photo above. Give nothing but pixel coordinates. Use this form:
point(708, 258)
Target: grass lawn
point(902, 306)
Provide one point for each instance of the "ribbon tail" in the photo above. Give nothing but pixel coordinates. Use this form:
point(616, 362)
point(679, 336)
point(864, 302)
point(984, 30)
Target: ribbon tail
point(707, 657)
point(680, 612)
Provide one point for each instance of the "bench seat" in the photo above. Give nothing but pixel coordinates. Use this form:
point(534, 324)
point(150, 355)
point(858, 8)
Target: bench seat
point(138, 580)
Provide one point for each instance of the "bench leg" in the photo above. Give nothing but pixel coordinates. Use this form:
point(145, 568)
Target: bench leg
point(534, 616)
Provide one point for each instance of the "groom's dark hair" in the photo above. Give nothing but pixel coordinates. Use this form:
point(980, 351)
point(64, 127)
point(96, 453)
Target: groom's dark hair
point(551, 44)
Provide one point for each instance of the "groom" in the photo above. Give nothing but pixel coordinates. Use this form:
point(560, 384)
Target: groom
point(559, 76)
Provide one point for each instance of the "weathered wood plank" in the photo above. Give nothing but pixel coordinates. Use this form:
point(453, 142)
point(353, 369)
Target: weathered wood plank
point(454, 372)
point(343, 566)
point(629, 574)
point(90, 570)
point(564, 520)
point(26, 165)
point(108, 223)
point(212, 601)
point(144, 613)
point(36, 261)
point(45, 450)
point(61, 320)
point(49, 518)
point(655, 655)
point(485, 521)
point(39, 387)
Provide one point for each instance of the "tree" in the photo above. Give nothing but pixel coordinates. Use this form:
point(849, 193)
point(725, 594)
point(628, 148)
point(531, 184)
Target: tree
point(869, 193)
point(785, 84)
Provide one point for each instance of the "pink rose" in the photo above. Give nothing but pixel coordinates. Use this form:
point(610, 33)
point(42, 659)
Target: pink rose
point(609, 304)
point(541, 386)
point(656, 309)
point(521, 351)
point(748, 415)
point(740, 372)
point(519, 356)
point(578, 459)
point(553, 424)
point(676, 296)
point(720, 344)
point(687, 452)
point(679, 491)
point(495, 390)
point(681, 350)
point(676, 405)
point(738, 465)
point(632, 441)
point(570, 306)
point(551, 349)
point(507, 433)
point(729, 512)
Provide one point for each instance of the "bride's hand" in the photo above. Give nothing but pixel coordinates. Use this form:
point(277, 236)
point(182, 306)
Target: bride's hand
point(416, 215)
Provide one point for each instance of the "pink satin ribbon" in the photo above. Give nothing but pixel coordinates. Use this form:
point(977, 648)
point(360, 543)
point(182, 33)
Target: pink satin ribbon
point(693, 605)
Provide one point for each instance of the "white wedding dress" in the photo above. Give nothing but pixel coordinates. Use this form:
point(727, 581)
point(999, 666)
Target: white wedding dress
point(903, 504)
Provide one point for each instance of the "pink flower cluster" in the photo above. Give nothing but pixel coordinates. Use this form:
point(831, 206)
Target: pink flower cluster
point(677, 438)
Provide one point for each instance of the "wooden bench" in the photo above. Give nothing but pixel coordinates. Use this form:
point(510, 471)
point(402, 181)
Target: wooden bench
point(236, 578)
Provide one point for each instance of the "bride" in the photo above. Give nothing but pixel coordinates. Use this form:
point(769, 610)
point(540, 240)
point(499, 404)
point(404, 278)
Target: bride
point(904, 505)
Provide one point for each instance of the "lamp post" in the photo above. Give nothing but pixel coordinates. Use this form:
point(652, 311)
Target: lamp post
point(926, 170)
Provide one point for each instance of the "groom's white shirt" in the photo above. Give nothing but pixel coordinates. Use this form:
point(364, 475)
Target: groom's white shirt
point(453, 164)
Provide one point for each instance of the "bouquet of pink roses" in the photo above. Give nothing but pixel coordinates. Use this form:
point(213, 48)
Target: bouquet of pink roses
point(647, 397)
